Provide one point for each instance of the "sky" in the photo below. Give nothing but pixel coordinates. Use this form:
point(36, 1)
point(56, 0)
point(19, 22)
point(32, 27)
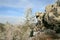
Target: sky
point(13, 11)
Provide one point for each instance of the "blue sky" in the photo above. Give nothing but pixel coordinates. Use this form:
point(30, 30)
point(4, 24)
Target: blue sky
point(13, 10)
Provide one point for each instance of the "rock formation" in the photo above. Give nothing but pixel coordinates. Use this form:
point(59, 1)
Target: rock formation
point(49, 23)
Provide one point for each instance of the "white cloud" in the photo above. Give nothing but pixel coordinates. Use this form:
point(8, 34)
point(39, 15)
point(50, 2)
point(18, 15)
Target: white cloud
point(16, 3)
point(11, 19)
point(23, 4)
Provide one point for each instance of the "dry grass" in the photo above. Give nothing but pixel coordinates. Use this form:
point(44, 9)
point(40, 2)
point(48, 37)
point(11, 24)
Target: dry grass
point(11, 32)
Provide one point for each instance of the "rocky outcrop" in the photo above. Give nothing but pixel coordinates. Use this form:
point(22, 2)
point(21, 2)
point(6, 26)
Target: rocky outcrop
point(49, 22)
